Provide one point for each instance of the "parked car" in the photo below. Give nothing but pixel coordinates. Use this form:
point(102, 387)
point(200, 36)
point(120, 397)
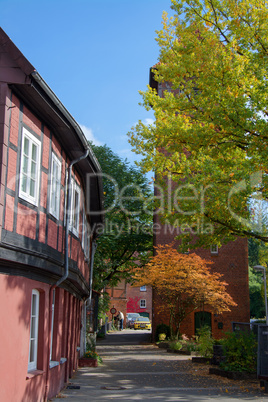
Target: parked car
point(130, 319)
point(142, 323)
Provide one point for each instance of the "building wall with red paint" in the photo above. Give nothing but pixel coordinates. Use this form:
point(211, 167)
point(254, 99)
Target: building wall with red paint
point(32, 241)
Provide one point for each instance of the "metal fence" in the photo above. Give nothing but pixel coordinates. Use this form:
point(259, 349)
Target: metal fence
point(261, 332)
point(262, 367)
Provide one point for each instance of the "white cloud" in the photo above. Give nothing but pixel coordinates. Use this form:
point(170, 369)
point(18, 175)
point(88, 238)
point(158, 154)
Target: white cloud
point(148, 121)
point(89, 135)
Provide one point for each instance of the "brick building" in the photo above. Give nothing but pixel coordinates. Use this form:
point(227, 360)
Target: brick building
point(50, 202)
point(230, 260)
point(118, 295)
point(131, 299)
point(139, 300)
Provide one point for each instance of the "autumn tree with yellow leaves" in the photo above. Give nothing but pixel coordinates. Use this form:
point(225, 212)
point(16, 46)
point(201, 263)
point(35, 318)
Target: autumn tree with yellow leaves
point(211, 119)
point(185, 283)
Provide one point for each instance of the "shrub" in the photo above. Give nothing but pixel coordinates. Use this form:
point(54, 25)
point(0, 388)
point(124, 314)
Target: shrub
point(162, 337)
point(205, 342)
point(190, 346)
point(240, 351)
point(162, 329)
point(175, 345)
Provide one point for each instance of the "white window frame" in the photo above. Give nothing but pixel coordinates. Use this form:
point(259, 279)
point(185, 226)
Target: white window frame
point(142, 300)
point(84, 231)
point(85, 235)
point(74, 224)
point(55, 185)
point(143, 288)
point(87, 242)
point(214, 249)
point(28, 175)
point(32, 360)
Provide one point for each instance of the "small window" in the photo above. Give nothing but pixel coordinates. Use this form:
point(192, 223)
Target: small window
point(84, 229)
point(85, 235)
point(143, 288)
point(142, 303)
point(32, 363)
point(214, 249)
point(75, 208)
point(55, 181)
point(30, 167)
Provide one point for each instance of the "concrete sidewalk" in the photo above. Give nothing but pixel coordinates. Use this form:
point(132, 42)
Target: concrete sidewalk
point(134, 369)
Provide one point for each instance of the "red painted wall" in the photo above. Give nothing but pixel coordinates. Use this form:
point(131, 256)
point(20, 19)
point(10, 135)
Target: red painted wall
point(16, 383)
point(52, 236)
point(34, 224)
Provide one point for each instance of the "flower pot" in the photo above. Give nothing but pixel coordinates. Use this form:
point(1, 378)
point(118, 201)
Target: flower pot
point(87, 362)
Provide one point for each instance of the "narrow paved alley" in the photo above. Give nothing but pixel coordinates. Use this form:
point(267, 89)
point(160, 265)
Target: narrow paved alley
point(134, 369)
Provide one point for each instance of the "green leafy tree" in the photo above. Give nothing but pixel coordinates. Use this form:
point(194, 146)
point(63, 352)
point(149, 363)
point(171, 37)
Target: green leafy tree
point(258, 255)
point(126, 237)
point(211, 119)
point(256, 294)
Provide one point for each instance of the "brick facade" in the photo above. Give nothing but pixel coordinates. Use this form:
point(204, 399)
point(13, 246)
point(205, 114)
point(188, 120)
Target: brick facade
point(135, 295)
point(231, 261)
point(118, 297)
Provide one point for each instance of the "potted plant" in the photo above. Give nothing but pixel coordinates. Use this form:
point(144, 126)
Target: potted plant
point(90, 359)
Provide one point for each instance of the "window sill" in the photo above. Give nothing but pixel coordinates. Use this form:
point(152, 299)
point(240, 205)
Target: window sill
point(63, 360)
point(53, 364)
point(34, 373)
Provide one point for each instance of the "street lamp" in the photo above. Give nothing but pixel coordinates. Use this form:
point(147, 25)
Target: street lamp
point(263, 269)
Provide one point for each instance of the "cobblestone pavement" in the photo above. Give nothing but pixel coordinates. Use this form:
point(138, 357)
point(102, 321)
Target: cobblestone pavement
point(134, 369)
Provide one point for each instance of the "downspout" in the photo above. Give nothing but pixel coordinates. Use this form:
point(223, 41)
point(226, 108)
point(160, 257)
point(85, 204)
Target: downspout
point(67, 211)
point(93, 251)
point(66, 260)
point(89, 299)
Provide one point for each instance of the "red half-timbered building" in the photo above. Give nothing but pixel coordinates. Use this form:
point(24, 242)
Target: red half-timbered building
point(50, 205)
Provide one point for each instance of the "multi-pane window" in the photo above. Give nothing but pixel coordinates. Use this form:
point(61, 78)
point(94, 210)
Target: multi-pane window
point(85, 235)
point(143, 288)
point(32, 363)
point(75, 208)
point(142, 303)
point(55, 181)
point(214, 249)
point(30, 167)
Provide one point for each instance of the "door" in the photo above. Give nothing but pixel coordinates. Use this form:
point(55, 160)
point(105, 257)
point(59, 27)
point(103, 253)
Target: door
point(202, 318)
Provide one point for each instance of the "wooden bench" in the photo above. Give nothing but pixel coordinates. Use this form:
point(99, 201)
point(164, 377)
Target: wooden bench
point(264, 382)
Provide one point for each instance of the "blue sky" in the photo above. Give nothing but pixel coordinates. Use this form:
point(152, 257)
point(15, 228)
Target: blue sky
point(95, 55)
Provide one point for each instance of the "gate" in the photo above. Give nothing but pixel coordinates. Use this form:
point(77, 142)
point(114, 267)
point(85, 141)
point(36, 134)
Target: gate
point(262, 350)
